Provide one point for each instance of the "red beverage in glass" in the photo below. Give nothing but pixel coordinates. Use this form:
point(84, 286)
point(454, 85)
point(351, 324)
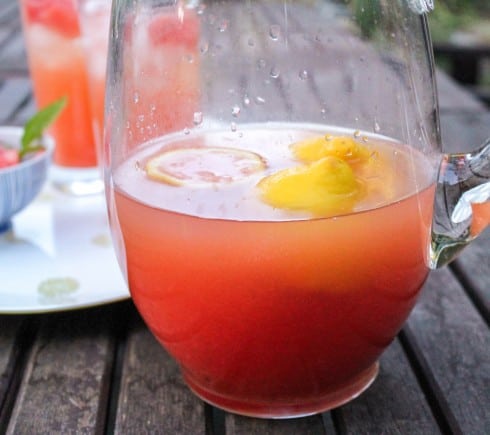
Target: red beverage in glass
point(58, 68)
point(269, 311)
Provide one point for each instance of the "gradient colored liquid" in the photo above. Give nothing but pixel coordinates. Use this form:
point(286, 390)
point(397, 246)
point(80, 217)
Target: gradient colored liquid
point(58, 68)
point(271, 312)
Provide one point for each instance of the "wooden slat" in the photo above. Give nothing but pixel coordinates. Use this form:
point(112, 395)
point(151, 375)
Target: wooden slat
point(394, 404)
point(10, 331)
point(13, 93)
point(455, 98)
point(68, 371)
point(464, 131)
point(455, 342)
point(237, 425)
point(153, 397)
point(473, 269)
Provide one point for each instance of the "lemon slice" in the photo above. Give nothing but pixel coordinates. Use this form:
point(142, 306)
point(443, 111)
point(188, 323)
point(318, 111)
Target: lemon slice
point(203, 166)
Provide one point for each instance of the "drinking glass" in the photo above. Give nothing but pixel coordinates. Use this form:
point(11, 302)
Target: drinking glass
point(94, 20)
point(57, 66)
point(277, 189)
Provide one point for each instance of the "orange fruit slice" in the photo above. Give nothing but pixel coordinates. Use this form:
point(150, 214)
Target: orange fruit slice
point(203, 166)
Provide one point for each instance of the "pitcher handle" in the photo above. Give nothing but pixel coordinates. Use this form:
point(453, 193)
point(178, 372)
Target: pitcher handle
point(462, 203)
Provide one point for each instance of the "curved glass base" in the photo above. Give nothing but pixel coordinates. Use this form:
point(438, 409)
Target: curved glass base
point(77, 181)
point(342, 395)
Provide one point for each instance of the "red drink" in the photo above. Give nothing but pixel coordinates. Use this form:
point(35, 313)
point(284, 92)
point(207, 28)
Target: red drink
point(57, 67)
point(273, 312)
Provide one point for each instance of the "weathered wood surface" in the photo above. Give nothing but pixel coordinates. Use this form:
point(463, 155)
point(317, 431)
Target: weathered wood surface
point(100, 371)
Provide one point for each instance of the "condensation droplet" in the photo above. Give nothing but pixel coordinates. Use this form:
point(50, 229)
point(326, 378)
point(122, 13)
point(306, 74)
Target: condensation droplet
point(303, 75)
point(223, 26)
point(261, 63)
point(233, 126)
point(200, 9)
point(153, 108)
point(136, 97)
point(235, 111)
point(377, 127)
point(246, 100)
point(204, 47)
point(260, 100)
point(357, 134)
point(197, 118)
point(275, 72)
point(328, 137)
point(186, 131)
point(274, 32)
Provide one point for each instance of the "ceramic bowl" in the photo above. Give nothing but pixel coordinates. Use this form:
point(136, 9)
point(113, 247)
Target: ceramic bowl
point(20, 183)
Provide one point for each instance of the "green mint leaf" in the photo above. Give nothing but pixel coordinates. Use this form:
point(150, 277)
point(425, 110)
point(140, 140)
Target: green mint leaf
point(34, 127)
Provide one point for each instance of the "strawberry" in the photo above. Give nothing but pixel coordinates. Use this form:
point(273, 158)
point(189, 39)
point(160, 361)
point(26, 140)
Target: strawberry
point(8, 157)
point(59, 15)
point(170, 29)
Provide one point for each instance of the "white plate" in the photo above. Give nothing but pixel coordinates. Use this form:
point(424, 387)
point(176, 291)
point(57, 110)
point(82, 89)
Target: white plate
point(58, 256)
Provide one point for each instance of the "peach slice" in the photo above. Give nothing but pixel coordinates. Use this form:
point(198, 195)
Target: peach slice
point(324, 188)
point(344, 147)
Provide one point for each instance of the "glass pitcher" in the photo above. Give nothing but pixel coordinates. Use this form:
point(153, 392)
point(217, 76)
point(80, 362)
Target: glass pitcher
point(277, 189)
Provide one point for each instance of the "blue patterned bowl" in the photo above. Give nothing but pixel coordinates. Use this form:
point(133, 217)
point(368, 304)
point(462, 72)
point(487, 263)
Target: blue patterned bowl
point(20, 184)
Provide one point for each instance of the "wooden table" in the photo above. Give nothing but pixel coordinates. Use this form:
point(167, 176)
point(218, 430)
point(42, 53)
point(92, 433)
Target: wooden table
point(99, 370)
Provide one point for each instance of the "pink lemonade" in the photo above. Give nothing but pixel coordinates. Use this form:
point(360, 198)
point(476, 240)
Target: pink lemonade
point(95, 19)
point(58, 68)
point(269, 311)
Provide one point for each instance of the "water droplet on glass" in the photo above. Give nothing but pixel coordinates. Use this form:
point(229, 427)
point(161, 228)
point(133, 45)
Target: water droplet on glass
point(365, 139)
point(246, 100)
point(204, 47)
point(153, 108)
point(223, 26)
point(274, 32)
point(136, 97)
point(186, 131)
point(261, 63)
point(377, 127)
point(233, 126)
point(275, 73)
point(200, 9)
point(197, 118)
point(357, 134)
point(303, 75)
point(260, 100)
point(235, 111)
point(328, 137)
